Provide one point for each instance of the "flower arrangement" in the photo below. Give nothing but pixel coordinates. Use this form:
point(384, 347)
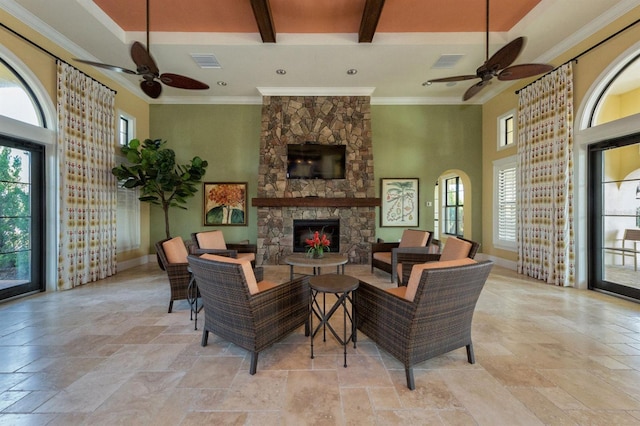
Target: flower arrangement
point(317, 245)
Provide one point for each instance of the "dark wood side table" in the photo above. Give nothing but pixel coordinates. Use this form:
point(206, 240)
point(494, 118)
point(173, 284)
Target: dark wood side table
point(343, 286)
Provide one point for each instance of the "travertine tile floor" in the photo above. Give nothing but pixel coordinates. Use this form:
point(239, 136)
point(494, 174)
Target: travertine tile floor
point(108, 353)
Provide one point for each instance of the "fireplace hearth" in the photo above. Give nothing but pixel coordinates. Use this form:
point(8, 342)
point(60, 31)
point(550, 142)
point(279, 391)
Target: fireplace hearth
point(304, 229)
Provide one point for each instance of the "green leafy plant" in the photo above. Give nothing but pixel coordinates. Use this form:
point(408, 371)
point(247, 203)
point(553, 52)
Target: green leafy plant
point(153, 169)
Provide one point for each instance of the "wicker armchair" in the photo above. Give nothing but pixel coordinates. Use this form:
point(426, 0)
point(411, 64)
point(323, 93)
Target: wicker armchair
point(436, 321)
point(411, 248)
point(251, 321)
point(172, 256)
point(453, 251)
point(213, 242)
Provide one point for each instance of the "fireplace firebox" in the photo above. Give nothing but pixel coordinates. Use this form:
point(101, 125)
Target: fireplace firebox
point(304, 229)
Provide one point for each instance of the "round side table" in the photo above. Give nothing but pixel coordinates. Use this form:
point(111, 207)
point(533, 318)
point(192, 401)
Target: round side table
point(343, 286)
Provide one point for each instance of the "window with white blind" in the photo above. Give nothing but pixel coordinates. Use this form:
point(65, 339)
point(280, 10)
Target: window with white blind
point(128, 212)
point(505, 213)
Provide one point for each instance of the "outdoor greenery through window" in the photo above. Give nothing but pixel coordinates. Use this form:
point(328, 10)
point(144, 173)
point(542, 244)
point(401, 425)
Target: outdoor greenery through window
point(454, 206)
point(15, 216)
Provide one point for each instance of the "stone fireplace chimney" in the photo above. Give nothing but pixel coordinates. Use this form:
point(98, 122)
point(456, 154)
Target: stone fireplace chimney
point(331, 120)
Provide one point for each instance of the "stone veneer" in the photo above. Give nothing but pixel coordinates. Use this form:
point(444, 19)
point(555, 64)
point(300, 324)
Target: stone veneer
point(330, 120)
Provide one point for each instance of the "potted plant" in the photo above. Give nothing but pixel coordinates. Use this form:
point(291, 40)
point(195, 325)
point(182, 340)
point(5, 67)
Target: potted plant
point(153, 169)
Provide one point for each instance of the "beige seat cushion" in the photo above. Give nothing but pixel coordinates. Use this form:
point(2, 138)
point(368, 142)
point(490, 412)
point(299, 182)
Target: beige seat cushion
point(383, 256)
point(416, 273)
point(455, 248)
point(247, 256)
point(249, 276)
point(175, 251)
point(398, 291)
point(211, 240)
point(414, 238)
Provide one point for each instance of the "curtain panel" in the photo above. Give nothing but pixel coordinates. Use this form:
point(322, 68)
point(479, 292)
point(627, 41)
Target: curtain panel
point(545, 235)
point(87, 188)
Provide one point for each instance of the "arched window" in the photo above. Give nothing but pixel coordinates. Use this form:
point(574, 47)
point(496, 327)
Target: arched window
point(621, 96)
point(17, 101)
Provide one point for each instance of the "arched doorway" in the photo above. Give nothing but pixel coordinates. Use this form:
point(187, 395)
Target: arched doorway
point(609, 138)
point(26, 145)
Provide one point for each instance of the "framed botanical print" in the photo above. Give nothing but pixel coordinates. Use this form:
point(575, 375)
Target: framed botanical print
point(225, 203)
point(399, 202)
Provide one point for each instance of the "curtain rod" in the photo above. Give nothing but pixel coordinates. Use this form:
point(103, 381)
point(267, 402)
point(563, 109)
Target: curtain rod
point(17, 34)
point(579, 55)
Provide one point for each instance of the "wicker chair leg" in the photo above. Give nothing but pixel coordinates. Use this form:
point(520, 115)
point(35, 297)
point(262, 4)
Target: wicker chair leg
point(205, 337)
point(411, 384)
point(307, 330)
point(470, 356)
point(170, 306)
point(254, 363)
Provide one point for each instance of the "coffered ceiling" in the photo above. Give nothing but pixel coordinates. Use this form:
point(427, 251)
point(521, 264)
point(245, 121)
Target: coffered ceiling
point(315, 42)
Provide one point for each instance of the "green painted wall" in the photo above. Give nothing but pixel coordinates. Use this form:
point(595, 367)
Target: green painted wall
point(228, 137)
point(424, 141)
point(408, 141)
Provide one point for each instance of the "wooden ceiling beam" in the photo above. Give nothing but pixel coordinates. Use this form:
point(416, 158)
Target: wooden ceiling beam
point(262, 13)
point(370, 17)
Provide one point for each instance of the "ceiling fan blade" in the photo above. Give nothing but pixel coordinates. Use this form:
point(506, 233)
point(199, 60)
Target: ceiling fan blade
point(523, 71)
point(473, 90)
point(143, 59)
point(505, 56)
point(182, 82)
point(152, 88)
point(107, 66)
point(455, 78)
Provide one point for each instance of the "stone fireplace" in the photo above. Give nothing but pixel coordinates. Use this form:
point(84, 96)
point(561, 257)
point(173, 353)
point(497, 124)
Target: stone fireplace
point(331, 120)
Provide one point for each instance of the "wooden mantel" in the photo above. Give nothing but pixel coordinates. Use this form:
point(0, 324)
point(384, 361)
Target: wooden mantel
point(315, 202)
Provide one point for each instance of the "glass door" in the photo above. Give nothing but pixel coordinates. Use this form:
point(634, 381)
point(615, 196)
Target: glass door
point(614, 216)
point(21, 217)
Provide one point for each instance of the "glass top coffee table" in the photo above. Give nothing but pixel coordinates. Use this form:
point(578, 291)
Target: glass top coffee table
point(329, 259)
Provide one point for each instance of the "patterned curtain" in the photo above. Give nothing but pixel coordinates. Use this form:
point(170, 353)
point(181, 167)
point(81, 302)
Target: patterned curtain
point(88, 190)
point(545, 178)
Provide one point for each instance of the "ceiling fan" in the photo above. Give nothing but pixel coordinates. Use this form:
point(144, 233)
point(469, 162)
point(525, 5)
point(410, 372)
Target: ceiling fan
point(147, 68)
point(498, 65)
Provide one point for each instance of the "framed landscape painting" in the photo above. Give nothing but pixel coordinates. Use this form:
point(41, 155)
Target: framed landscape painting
point(399, 202)
point(225, 203)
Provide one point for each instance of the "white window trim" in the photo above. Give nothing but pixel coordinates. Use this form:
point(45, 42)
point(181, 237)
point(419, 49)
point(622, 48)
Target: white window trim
point(499, 165)
point(501, 129)
point(131, 130)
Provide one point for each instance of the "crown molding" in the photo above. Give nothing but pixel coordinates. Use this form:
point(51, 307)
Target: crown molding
point(206, 100)
point(316, 91)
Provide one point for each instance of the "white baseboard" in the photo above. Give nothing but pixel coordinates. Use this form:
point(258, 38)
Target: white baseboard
point(132, 263)
point(509, 264)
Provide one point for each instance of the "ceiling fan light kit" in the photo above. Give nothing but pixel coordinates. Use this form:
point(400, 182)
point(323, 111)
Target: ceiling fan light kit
point(498, 65)
point(147, 68)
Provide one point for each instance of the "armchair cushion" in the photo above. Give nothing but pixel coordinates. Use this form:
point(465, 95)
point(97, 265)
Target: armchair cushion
point(455, 248)
point(413, 238)
point(175, 250)
point(249, 276)
point(211, 240)
point(416, 273)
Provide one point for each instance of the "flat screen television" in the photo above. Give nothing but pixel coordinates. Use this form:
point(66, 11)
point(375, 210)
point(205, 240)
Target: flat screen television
point(315, 161)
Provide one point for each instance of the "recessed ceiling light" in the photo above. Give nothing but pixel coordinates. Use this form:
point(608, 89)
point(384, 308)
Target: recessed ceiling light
point(352, 71)
point(427, 83)
point(221, 83)
point(280, 71)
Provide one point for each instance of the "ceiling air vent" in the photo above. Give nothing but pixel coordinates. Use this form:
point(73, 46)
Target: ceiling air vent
point(446, 61)
point(206, 60)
